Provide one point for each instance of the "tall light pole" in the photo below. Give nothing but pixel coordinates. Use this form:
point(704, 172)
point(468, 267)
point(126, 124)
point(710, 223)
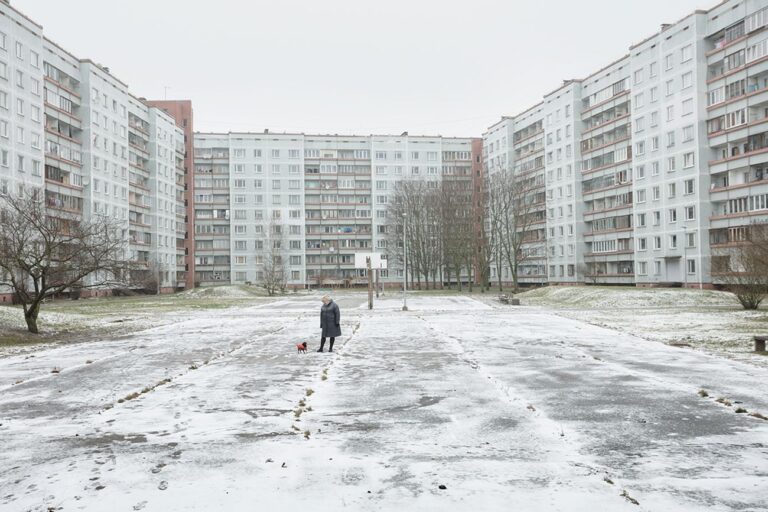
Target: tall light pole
point(685, 256)
point(332, 250)
point(405, 263)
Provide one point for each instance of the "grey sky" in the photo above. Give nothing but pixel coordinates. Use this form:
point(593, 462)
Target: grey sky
point(352, 66)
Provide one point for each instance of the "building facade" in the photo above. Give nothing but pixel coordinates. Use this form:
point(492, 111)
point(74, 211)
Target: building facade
point(669, 170)
point(72, 130)
point(313, 201)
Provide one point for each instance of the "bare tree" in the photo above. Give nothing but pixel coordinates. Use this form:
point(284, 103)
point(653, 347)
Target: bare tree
point(519, 212)
point(41, 255)
point(496, 205)
point(275, 273)
point(414, 208)
point(457, 221)
point(744, 271)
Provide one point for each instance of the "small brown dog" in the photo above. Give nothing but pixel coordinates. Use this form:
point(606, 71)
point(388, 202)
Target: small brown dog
point(301, 347)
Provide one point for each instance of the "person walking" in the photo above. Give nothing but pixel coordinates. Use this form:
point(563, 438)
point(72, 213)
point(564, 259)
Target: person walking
point(329, 322)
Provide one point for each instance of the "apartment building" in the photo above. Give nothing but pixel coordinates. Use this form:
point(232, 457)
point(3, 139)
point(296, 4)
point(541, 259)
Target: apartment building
point(70, 128)
point(606, 175)
point(670, 169)
point(735, 58)
point(565, 209)
point(181, 111)
point(311, 200)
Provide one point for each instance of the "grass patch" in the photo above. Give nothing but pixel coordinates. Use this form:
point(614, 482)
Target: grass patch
point(724, 401)
point(703, 393)
point(310, 391)
point(758, 416)
point(306, 434)
point(740, 410)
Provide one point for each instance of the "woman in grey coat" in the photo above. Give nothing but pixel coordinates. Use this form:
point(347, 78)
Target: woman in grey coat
point(329, 322)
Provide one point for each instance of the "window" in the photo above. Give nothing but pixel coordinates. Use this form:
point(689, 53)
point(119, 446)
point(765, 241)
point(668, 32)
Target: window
point(639, 101)
point(655, 118)
point(3, 42)
point(653, 69)
point(691, 266)
point(638, 76)
point(641, 196)
point(642, 244)
point(688, 160)
point(686, 53)
point(669, 87)
point(671, 163)
point(670, 113)
point(688, 133)
point(671, 190)
point(293, 153)
point(640, 172)
point(690, 240)
point(688, 106)
point(275, 153)
point(670, 139)
point(19, 51)
point(654, 168)
point(655, 193)
point(672, 215)
point(688, 186)
point(690, 213)
point(655, 143)
point(687, 80)
point(669, 61)
point(640, 148)
point(673, 241)
point(639, 124)
point(656, 218)
point(657, 242)
point(654, 94)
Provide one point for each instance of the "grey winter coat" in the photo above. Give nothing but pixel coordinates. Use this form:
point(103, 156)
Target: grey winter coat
point(330, 320)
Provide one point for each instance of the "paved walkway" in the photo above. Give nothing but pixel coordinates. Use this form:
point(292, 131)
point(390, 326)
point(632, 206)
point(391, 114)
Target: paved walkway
point(508, 408)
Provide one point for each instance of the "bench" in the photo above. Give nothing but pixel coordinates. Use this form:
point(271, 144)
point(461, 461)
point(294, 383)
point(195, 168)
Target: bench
point(506, 299)
point(760, 343)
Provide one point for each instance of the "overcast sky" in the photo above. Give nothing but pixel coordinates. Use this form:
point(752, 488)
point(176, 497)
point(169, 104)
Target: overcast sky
point(351, 66)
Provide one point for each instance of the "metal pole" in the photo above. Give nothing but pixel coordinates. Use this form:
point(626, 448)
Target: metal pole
point(370, 282)
point(685, 257)
point(405, 264)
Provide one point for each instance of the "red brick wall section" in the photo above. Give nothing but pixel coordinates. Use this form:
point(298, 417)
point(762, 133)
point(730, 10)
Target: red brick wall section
point(182, 113)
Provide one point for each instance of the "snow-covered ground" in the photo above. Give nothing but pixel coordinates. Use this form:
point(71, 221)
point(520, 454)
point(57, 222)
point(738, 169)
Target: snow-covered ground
point(706, 320)
point(507, 408)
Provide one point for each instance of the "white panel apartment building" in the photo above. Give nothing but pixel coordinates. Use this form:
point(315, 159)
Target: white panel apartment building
point(671, 167)
point(64, 129)
point(321, 198)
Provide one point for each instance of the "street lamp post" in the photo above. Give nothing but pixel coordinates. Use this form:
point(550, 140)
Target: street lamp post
point(685, 257)
point(405, 263)
point(332, 250)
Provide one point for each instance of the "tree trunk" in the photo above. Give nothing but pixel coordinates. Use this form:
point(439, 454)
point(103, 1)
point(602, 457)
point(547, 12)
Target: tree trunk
point(30, 315)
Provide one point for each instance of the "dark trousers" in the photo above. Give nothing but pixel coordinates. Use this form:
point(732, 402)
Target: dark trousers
point(322, 342)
